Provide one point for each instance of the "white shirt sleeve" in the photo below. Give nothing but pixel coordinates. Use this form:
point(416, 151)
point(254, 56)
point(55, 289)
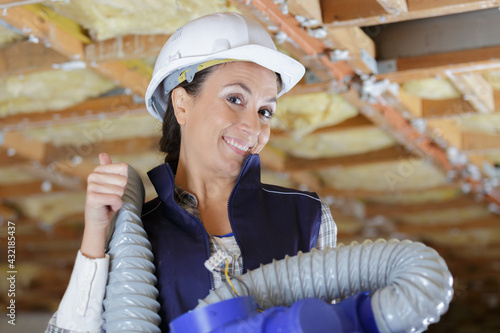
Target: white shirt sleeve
point(81, 307)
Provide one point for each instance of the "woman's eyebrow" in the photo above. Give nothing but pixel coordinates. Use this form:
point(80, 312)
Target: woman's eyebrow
point(247, 89)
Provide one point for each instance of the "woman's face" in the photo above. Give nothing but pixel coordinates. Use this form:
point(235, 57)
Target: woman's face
point(229, 119)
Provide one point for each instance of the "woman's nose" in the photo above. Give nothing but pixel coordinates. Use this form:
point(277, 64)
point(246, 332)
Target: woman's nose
point(250, 122)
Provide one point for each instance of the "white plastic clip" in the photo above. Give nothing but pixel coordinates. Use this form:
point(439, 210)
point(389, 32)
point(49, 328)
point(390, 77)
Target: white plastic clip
point(216, 260)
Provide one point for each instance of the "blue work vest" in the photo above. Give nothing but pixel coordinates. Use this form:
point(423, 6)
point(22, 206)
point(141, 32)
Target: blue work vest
point(268, 223)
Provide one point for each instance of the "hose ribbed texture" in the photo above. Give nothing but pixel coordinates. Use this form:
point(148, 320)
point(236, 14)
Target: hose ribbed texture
point(411, 283)
point(130, 303)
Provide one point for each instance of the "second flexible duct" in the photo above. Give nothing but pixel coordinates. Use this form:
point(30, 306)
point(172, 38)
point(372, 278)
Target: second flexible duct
point(411, 283)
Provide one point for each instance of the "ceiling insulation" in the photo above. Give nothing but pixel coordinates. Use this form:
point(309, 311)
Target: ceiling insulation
point(50, 208)
point(95, 131)
point(390, 177)
point(493, 78)
point(485, 123)
point(431, 88)
point(49, 90)
point(333, 144)
point(106, 18)
point(11, 175)
point(302, 114)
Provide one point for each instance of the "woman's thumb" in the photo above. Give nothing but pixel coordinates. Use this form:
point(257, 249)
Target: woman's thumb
point(104, 158)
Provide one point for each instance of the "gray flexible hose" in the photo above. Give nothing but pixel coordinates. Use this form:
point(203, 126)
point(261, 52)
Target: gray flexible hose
point(412, 284)
point(130, 303)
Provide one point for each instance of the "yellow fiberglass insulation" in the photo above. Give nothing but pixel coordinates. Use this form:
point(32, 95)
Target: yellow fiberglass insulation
point(302, 114)
point(431, 89)
point(335, 143)
point(106, 18)
point(390, 177)
point(49, 90)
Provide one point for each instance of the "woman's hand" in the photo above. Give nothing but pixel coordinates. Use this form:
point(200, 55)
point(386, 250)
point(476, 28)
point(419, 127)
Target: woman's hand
point(105, 187)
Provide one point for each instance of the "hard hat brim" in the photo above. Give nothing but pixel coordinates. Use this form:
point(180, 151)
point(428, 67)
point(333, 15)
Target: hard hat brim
point(290, 70)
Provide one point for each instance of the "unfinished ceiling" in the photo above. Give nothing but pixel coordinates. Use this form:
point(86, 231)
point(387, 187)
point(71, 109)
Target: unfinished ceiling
point(396, 125)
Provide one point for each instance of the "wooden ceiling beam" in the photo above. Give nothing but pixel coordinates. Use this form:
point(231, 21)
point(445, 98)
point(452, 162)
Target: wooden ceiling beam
point(91, 109)
point(361, 47)
point(39, 21)
point(7, 159)
point(431, 108)
point(26, 57)
point(30, 149)
point(475, 88)
point(449, 129)
point(457, 62)
point(306, 8)
point(126, 75)
point(364, 13)
point(7, 213)
point(335, 12)
point(394, 7)
point(310, 45)
point(11, 191)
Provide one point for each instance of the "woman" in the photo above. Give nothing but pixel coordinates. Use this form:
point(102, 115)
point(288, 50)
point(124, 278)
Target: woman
point(215, 87)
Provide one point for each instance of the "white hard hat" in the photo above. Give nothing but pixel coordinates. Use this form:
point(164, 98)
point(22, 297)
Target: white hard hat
point(210, 40)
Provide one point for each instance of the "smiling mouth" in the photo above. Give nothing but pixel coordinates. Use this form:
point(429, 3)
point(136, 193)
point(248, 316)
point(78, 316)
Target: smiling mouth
point(236, 145)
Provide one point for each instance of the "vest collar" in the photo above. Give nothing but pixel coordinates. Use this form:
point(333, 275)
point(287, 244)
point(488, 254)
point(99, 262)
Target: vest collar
point(163, 178)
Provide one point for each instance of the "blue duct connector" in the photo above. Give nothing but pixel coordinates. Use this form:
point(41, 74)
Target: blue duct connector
point(307, 315)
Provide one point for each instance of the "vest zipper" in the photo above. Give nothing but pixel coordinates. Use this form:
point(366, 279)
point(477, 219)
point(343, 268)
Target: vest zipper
point(229, 209)
point(207, 242)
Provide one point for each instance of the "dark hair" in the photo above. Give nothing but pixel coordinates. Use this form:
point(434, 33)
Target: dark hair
point(170, 142)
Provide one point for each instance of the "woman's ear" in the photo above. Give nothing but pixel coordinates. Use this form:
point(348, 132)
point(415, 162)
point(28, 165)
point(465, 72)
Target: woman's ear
point(180, 98)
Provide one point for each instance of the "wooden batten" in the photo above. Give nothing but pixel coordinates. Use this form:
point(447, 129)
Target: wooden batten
point(125, 76)
point(479, 141)
point(307, 8)
point(449, 129)
point(371, 12)
point(350, 10)
point(356, 41)
point(26, 57)
point(40, 22)
point(420, 67)
point(428, 108)
point(12, 191)
point(476, 89)
point(395, 7)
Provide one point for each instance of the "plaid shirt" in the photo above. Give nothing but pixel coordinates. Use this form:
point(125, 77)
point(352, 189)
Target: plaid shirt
point(327, 237)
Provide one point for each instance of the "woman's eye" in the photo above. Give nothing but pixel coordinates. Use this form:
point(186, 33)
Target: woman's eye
point(266, 113)
point(234, 100)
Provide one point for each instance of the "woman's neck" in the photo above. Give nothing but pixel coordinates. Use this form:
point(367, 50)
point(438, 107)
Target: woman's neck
point(208, 187)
